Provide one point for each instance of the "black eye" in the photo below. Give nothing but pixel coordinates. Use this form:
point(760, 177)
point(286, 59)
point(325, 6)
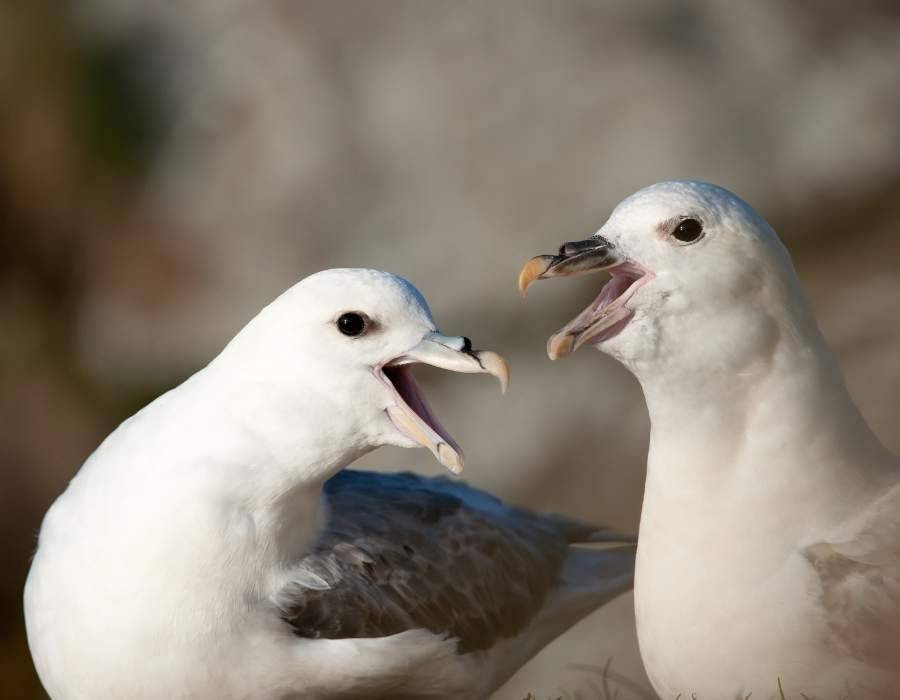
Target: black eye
point(688, 230)
point(352, 323)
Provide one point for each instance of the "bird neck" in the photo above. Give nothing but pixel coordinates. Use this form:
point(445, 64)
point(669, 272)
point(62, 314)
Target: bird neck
point(777, 415)
point(257, 453)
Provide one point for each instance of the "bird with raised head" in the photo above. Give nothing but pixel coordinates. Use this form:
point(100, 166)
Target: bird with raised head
point(212, 549)
point(768, 557)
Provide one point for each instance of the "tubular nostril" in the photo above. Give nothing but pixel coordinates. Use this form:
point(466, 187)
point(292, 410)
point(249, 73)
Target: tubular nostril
point(567, 250)
point(574, 248)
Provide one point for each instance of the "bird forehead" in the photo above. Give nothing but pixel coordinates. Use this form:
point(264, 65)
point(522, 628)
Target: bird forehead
point(372, 291)
point(667, 199)
point(718, 209)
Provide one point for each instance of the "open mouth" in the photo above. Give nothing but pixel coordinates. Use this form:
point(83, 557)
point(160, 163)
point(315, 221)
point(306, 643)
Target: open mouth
point(607, 316)
point(410, 412)
point(421, 419)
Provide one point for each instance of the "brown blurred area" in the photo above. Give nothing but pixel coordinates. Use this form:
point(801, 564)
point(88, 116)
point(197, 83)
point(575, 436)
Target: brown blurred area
point(168, 168)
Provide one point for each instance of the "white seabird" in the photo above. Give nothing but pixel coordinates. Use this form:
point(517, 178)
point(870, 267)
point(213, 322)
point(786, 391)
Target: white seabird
point(769, 546)
point(202, 552)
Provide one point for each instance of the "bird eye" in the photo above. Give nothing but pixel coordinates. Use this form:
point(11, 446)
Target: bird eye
point(688, 230)
point(352, 323)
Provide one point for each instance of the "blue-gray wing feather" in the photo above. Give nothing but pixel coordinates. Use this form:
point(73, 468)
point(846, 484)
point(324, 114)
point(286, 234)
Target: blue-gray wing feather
point(401, 551)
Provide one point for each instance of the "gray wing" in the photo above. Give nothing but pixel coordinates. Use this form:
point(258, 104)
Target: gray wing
point(401, 552)
point(860, 579)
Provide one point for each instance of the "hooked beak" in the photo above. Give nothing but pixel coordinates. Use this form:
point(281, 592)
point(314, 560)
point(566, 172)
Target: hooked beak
point(574, 258)
point(607, 316)
point(411, 415)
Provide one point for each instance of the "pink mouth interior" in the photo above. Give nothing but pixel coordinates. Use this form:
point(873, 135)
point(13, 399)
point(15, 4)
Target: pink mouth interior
point(620, 281)
point(624, 281)
point(407, 388)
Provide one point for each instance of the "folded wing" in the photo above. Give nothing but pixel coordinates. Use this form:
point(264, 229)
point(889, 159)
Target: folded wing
point(401, 552)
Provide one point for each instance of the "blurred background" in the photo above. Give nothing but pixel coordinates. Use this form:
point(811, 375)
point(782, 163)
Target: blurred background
point(168, 168)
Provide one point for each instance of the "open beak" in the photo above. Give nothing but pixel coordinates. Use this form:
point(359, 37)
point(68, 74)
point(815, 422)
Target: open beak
point(411, 415)
point(608, 315)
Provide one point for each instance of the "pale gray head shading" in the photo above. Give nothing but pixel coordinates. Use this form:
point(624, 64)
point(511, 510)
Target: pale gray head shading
point(404, 552)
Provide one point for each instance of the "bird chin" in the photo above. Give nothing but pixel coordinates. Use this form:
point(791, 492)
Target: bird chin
point(414, 420)
point(606, 317)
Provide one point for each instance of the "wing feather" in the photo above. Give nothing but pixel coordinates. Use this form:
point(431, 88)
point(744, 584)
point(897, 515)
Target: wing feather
point(860, 578)
point(401, 551)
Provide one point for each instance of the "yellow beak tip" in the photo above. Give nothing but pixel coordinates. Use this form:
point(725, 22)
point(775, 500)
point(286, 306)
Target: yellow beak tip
point(531, 271)
point(560, 345)
point(523, 285)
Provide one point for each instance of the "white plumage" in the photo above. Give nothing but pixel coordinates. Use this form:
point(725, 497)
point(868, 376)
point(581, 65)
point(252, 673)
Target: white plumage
point(769, 550)
point(207, 551)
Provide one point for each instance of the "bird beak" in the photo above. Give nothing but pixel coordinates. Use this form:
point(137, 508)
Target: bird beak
point(574, 258)
point(455, 354)
point(608, 315)
point(411, 415)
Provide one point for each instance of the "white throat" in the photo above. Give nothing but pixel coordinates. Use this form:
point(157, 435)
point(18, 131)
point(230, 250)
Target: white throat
point(765, 419)
point(215, 473)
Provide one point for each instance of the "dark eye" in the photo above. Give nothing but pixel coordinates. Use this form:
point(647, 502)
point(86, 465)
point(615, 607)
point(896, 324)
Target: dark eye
point(688, 230)
point(352, 323)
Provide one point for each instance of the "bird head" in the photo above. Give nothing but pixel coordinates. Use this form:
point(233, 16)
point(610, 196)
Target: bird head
point(349, 338)
point(694, 272)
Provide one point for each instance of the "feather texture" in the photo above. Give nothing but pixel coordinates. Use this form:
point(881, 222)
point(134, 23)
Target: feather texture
point(403, 552)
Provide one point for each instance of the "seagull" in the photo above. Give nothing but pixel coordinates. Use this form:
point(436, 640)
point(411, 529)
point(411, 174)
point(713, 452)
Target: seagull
point(769, 547)
point(212, 549)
